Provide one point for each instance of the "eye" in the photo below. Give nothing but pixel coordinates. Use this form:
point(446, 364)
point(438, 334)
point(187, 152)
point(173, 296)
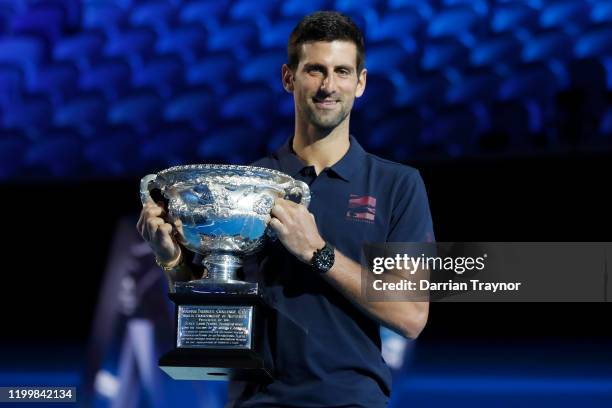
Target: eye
point(315, 70)
point(344, 72)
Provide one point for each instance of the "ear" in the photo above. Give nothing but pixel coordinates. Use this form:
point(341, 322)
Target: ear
point(361, 83)
point(287, 78)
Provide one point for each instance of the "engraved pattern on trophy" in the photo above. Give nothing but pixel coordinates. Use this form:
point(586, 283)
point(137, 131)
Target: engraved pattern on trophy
point(222, 211)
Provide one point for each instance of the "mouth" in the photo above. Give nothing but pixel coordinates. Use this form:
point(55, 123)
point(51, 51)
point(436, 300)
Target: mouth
point(326, 103)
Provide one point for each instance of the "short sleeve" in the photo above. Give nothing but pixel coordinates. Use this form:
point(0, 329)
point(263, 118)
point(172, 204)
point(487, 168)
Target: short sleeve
point(411, 217)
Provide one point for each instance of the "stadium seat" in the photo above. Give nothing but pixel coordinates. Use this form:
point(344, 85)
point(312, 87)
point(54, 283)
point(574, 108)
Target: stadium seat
point(205, 12)
point(82, 48)
point(141, 110)
point(569, 15)
point(72, 11)
point(454, 130)
point(45, 20)
point(265, 68)
point(156, 151)
point(24, 52)
point(60, 155)
point(456, 21)
point(546, 46)
point(425, 90)
point(439, 55)
point(595, 42)
point(475, 86)
point(32, 115)
point(299, 8)
point(165, 74)
point(255, 11)
point(534, 81)
point(57, 80)
point(235, 38)
point(508, 17)
point(395, 136)
point(402, 26)
point(84, 113)
point(480, 7)
point(424, 7)
point(157, 15)
point(12, 83)
point(368, 109)
point(348, 6)
point(104, 16)
point(384, 58)
point(111, 77)
point(501, 50)
point(364, 12)
point(230, 144)
point(214, 70)
point(248, 103)
point(277, 34)
point(187, 41)
point(134, 45)
point(534, 85)
point(601, 11)
point(194, 106)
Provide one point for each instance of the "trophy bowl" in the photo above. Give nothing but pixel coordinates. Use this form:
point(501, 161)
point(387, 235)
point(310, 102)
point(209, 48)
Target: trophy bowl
point(222, 211)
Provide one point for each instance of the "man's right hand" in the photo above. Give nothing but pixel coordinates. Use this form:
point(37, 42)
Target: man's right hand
point(158, 233)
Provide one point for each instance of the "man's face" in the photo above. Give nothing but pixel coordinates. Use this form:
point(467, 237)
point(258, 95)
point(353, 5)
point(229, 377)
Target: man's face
point(325, 82)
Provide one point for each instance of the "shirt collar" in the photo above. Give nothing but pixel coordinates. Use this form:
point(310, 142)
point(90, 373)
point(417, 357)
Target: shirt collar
point(344, 168)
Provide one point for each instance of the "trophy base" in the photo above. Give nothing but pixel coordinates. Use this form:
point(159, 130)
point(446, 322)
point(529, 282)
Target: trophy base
point(214, 365)
point(219, 332)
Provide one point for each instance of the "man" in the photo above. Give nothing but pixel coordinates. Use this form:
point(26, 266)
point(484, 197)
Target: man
point(323, 336)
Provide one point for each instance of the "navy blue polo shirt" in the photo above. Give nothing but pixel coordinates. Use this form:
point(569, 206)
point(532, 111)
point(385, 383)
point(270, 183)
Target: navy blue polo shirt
point(325, 351)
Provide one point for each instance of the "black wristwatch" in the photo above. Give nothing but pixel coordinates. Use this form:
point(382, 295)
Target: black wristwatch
point(323, 259)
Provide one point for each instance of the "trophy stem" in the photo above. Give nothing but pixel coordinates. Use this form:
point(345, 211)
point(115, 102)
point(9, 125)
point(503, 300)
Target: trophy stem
point(222, 267)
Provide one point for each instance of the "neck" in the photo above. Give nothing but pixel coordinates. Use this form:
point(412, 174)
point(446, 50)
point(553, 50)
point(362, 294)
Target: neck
point(321, 149)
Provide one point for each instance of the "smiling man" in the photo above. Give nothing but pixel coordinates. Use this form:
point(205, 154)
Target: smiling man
point(323, 336)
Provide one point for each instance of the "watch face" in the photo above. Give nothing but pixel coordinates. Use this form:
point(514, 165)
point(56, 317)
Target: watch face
point(324, 258)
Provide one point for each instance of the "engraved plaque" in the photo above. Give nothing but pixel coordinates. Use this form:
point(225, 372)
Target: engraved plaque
point(226, 327)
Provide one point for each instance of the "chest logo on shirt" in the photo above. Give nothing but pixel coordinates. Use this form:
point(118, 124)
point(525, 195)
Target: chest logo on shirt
point(361, 208)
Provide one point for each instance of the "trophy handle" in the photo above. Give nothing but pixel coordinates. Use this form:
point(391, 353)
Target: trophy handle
point(300, 188)
point(145, 194)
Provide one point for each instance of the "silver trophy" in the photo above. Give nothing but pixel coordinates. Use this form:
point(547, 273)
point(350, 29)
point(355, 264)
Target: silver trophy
point(222, 213)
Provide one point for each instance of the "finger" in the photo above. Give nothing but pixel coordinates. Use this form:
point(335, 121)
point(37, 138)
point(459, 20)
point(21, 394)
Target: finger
point(280, 211)
point(152, 225)
point(163, 235)
point(285, 203)
point(162, 205)
point(165, 229)
point(153, 210)
point(139, 223)
point(278, 227)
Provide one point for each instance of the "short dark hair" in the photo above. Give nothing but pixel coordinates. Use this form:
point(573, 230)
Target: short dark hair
point(325, 26)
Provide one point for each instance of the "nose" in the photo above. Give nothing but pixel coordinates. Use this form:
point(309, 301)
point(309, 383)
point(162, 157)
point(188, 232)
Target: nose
point(329, 84)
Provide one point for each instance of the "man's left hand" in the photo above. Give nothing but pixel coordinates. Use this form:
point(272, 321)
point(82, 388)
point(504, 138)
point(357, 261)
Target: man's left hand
point(296, 228)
